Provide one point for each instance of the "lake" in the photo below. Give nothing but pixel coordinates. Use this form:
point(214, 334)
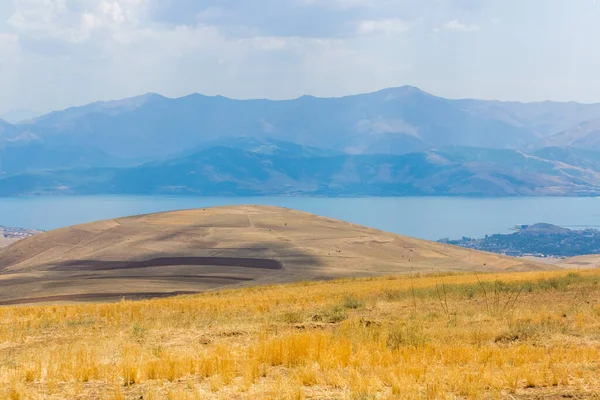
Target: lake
point(423, 217)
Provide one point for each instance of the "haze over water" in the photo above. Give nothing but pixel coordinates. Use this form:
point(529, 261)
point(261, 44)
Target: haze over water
point(423, 217)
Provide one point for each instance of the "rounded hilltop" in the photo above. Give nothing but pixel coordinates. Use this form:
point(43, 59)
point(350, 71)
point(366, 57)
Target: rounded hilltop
point(195, 250)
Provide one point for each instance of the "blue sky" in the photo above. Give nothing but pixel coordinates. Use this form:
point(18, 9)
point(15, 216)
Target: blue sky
point(59, 53)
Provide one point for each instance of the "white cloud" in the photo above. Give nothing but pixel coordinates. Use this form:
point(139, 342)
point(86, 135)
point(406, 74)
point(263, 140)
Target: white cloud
point(79, 51)
point(268, 43)
point(58, 53)
point(10, 60)
point(386, 27)
point(337, 3)
point(8, 43)
point(74, 20)
point(457, 26)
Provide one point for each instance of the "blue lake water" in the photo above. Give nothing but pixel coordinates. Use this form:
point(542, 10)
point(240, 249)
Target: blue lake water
point(424, 217)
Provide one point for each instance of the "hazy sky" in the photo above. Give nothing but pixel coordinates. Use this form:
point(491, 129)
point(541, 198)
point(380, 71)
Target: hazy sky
point(58, 53)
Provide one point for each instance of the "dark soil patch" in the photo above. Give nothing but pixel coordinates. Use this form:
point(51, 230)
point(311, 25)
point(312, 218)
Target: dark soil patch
point(95, 265)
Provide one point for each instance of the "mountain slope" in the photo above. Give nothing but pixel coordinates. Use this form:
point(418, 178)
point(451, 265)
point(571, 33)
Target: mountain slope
point(267, 146)
point(195, 250)
point(6, 130)
point(585, 135)
point(540, 119)
point(36, 156)
point(573, 156)
point(230, 171)
point(396, 120)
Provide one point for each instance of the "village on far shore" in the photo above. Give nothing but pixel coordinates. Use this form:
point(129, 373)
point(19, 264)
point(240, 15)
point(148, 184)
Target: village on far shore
point(539, 240)
point(9, 234)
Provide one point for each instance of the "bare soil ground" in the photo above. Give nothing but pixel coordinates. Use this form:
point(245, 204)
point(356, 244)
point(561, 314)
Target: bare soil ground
point(203, 249)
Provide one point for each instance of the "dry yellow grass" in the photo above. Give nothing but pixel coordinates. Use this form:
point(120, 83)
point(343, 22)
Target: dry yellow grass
point(580, 262)
point(6, 242)
point(512, 335)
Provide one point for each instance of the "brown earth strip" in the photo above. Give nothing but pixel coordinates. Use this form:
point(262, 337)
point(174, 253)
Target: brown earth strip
point(95, 265)
point(95, 296)
point(169, 277)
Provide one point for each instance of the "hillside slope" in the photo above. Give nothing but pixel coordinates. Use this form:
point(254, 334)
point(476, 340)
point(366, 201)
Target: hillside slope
point(195, 250)
point(36, 156)
point(576, 157)
point(539, 119)
point(395, 120)
point(274, 169)
point(585, 135)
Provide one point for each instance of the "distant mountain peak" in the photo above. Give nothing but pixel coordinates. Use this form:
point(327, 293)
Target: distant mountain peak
point(135, 101)
point(402, 89)
point(393, 91)
point(112, 107)
point(306, 97)
point(149, 96)
point(410, 88)
point(585, 135)
point(402, 92)
point(193, 96)
point(128, 102)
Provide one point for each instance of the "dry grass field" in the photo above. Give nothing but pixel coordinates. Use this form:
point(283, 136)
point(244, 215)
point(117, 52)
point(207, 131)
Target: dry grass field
point(525, 335)
point(197, 250)
point(6, 242)
point(580, 262)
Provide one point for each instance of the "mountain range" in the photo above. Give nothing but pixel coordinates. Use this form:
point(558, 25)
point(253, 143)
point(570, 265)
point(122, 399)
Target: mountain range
point(397, 141)
point(280, 168)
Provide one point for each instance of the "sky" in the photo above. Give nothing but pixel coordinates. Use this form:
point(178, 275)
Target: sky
point(60, 53)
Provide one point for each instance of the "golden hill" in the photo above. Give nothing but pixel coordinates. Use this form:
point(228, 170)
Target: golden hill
point(196, 250)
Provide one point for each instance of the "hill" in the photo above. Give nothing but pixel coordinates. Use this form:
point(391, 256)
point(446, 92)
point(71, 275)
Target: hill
point(37, 156)
point(580, 262)
point(539, 119)
point(196, 250)
point(584, 158)
point(268, 167)
point(527, 335)
point(585, 135)
point(543, 228)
